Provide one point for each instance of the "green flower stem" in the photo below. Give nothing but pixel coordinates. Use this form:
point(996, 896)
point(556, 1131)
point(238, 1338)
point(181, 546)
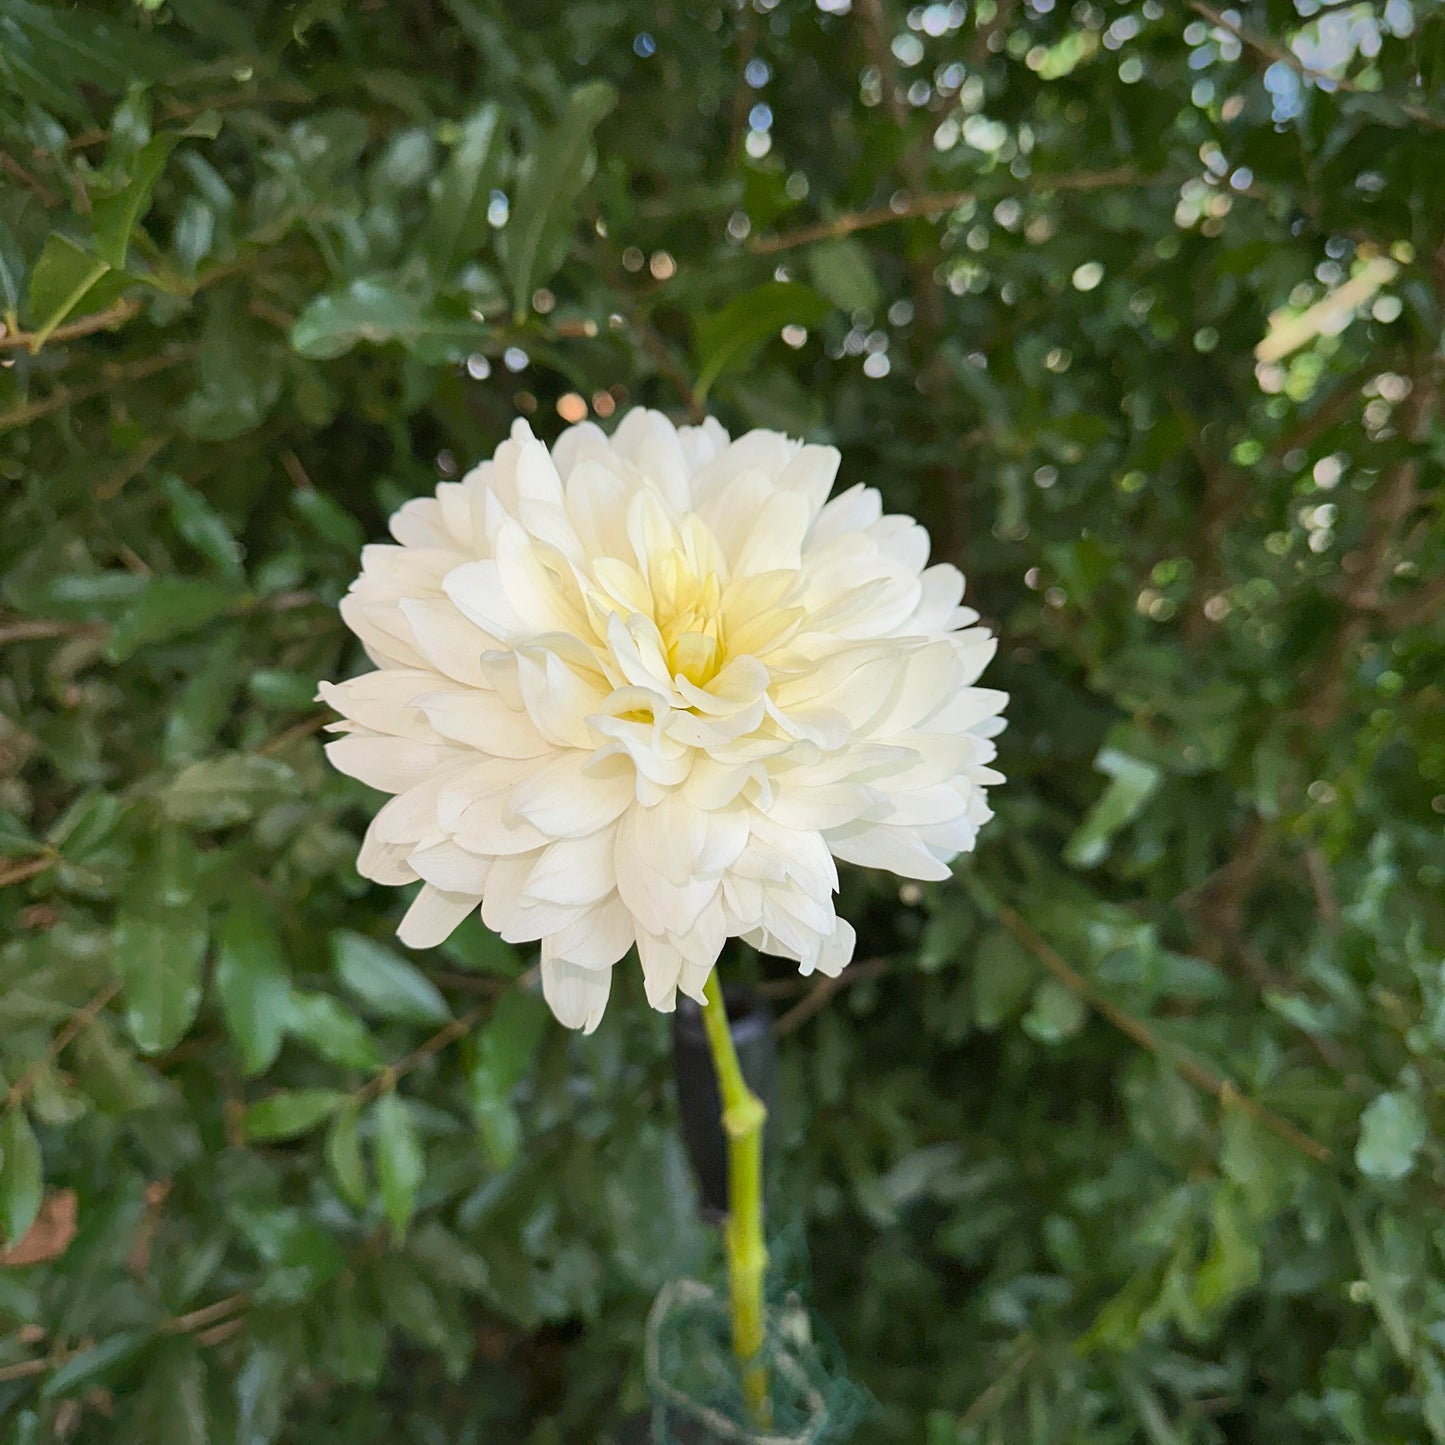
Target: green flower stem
point(743, 1116)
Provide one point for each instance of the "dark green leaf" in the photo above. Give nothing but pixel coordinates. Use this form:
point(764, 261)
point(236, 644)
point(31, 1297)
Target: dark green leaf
point(843, 271)
point(95, 1363)
point(1134, 783)
point(69, 282)
point(326, 1026)
point(550, 180)
point(1055, 1015)
point(261, 1393)
point(1392, 1132)
point(400, 1163)
point(170, 1400)
point(727, 340)
point(116, 217)
point(12, 273)
point(20, 1175)
point(377, 310)
point(1004, 975)
point(456, 226)
point(385, 982)
point(343, 1154)
point(252, 983)
point(157, 957)
point(203, 527)
point(286, 1114)
point(168, 607)
point(501, 1055)
point(229, 789)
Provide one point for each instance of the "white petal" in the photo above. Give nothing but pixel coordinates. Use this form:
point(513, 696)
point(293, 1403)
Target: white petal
point(476, 590)
point(557, 698)
point(480, 718)
point(449, 866)
point(578, 996)
point(390, 764)
point(450, 642)
point(564, 799)
point(385, 701)
point(661, 970)
point(811, 472)
point(895, 849)
point(775, 541)
point(433, 915)
point(599, 937)
point(384, 861)
point(574, 870)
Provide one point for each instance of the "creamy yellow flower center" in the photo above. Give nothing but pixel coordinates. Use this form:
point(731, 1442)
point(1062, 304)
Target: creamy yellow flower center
point(687, 608)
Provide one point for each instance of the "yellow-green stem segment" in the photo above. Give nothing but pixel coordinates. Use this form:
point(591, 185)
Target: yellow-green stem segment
point(743, 1116)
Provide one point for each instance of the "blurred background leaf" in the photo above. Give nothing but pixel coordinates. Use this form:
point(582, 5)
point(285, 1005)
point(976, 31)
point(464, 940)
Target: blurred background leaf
point(1132, 1130)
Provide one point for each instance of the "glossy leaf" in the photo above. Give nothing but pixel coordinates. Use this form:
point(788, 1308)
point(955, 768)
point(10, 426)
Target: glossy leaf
point(385, 982)
point(399, 1160)
point(287, 1113)
point(550, 180)
point(457, 221)
point(158, 956)
point(20, 1175)
point(728, 339)
point(252, 983)
point(502, 1054)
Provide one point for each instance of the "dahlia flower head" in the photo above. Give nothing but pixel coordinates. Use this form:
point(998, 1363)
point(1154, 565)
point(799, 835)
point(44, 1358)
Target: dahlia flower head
point(646, 689)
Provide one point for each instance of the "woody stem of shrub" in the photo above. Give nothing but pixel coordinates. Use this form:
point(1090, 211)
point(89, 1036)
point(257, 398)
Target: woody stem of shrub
point(743, 1116)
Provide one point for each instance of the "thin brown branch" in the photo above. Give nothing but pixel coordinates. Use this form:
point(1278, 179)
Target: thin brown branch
point(76, 1025)
point(386, 1078)
point(1204, 1079)
point(206, 1316)
point(38, 629)
point(112, 376)
point(47, 196)
point(846, 224)
point(114, 315)
point(1324, 888)
point(937, 203)
point(293, 734)
point(211, 1324)
point(824, 989)
point(998, 1391)
point(24, 1369)
point(19, 872)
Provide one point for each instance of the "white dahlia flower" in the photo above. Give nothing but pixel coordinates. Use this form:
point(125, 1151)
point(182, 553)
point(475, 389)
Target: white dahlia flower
point(645, 689)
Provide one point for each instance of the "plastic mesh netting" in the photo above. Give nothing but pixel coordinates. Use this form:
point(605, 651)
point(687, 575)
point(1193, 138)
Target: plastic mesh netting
point(694, 1380)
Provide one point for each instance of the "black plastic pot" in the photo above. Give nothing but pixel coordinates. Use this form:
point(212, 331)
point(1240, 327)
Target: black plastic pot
point(751, 1020)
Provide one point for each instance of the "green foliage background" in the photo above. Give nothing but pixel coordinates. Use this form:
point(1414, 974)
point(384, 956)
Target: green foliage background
point(1130, 1133)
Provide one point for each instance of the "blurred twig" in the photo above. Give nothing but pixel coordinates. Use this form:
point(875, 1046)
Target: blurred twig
point(75, 1025)
point(825, 988)
point(47, 196)
point(1003, 1385)
point(385, 1078)
point(114, 315)
point(1196, 1073)
point(19, 872)
point(936, 203)
point(114, 375)
point(846, 224)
